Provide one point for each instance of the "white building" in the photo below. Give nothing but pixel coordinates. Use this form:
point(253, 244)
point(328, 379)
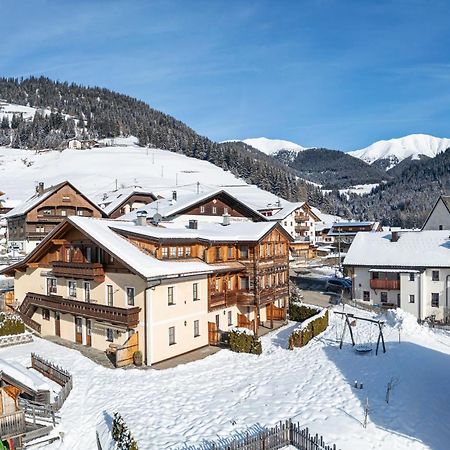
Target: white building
point(439, 217)
point(410, 270)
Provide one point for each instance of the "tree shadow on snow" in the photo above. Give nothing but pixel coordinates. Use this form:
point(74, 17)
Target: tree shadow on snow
point(419, 403)
point(281, 338)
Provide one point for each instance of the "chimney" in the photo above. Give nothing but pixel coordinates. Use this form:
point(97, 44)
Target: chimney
point(40, 188)
point(394, 236)
point(225, 220)
point(193, 225)
point(141, 218)
point(174, 196)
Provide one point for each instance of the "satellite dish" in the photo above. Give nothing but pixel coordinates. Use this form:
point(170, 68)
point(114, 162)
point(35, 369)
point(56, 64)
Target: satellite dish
point(156, 218)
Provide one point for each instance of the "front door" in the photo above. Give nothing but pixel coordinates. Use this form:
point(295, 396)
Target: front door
point(88, 332)
point(57, 324)
point(78, 330)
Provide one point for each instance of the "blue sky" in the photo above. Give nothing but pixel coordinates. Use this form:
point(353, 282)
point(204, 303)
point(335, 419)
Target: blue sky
point(334, 73)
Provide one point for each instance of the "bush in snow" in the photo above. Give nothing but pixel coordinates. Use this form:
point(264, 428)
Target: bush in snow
point(10, 324)
point(122, 435)
point(301, 337)
point(300, 313)
point(242, 342)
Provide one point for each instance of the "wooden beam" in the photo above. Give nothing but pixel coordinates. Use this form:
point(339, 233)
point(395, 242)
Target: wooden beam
point(59, 241)
point(33, 265)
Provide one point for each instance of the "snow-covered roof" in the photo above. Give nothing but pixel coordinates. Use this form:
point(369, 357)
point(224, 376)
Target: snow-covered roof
point(287, 209)
point(102, 232)
point(167, 207)
point(38, 198)
point(413, 249)
point(114, 199)
point(212, 232)
point(23, 376)
point(336, 229)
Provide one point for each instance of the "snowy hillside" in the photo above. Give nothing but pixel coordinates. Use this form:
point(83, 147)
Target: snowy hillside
point(270, 146)
point(396, 150)
point(10, 109)
point(95, 171)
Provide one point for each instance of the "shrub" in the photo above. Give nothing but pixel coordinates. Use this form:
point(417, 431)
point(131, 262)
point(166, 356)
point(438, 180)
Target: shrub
point(122, 435)
point(301, 337)
point(10, 325)
point(242, 342)
point(300, 313)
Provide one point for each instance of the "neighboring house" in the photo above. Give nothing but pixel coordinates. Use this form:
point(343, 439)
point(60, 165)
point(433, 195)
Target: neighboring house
point(345, 232)
point(74, 144)
point(82, 144)
point(298, 219)
point(97, 282)
point(407, 269)
point(4, 208)
point(439, 217)
point(202, 207)
point(31, 221)
point(124, 201)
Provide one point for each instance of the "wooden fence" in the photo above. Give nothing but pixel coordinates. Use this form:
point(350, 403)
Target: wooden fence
point(284, 434)
point(12, 424)
point(57, 374)
point(124, 353)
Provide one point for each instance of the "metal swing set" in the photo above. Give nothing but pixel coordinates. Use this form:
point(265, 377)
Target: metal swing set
point(361, 348)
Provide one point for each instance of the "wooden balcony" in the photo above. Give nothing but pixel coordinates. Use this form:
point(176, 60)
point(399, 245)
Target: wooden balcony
point(301, 228)
point(270, 294)
point(85, 271)
point(389, 285)
point(127, 317)
point(301, 217)
point(12, 425)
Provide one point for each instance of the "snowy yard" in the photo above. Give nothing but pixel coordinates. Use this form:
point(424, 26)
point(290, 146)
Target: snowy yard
point(192, 405)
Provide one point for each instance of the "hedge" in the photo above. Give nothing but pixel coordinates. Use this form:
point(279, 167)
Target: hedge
point(242, 342)
point(300, 338)
point(10, 325)
point(300, 313)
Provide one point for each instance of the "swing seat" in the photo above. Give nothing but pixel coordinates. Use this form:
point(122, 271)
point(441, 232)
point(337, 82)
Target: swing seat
point(363, 348)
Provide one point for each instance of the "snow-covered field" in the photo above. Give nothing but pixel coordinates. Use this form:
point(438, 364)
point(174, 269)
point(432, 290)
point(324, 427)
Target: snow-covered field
point(192, 405)
point(95, 171)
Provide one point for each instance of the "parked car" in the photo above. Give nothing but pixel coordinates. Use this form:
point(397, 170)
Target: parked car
point(339, 283)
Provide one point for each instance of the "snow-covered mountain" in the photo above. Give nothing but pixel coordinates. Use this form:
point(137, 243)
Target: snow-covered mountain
point(393, 151)
point(270, 146)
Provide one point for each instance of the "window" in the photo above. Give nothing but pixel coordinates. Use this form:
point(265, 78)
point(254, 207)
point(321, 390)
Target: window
point(230, 283)
point(79, 212)
point(217, 284)
point(435, 300)
point(187, 252)
point(384, 297)
point(441, 227)
point(218, 253)
point(195, 292)
point(51, 286)
point(87, 291)
point(225, 210)
point(244, 284)
point(109, 295)
point(172, 336)
point(173, 252)
point(214, 210)
point(411, 277)
point(109, 335)
point(243, 251)
point(180, 252)
point(435, 275)
point(130, 296)
point(68, 254)
point(230, 318)
point(375, 275)
point(89, 254)
point(63, 212)
point(196, 328)
point(202, 209)
point(72, 288)
point(66, 198)
point(45, 314)
point(165, 252)
point(170, 299)
point(412, 298)
point(398, 300)
point(47, 212)
point(230, 252)
point(366, 296)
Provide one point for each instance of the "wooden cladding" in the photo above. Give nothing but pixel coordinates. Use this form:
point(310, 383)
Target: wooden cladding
point(127, 317)
point(389, 285)
point(85, 271)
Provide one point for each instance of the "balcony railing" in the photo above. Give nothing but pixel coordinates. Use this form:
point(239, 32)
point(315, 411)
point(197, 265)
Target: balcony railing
point(12, 425)
point(300, 228)
point(389, 285)
point(301, 217)
point(128, 317)
point(85, 271)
